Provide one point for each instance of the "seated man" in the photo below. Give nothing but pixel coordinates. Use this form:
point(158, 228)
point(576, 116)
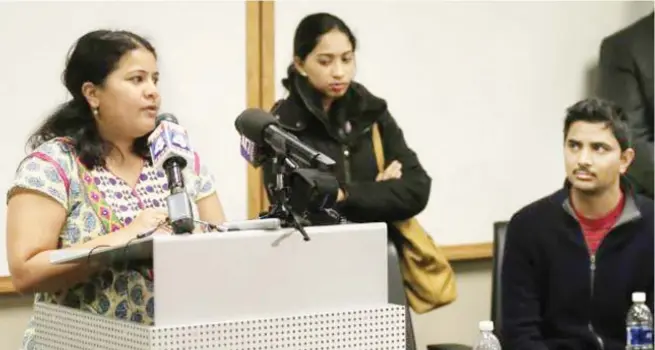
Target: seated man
point(572, 259)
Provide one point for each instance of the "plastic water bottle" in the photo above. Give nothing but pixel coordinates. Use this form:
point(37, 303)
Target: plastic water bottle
point(639, 324)
point(487, 340)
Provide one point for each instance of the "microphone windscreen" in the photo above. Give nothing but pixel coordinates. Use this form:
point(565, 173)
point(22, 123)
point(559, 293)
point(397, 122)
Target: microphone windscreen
point(252, 123)
point(165, 117)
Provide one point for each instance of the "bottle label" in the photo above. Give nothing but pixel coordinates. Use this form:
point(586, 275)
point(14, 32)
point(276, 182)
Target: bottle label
point(647, 336)
point(639, 335)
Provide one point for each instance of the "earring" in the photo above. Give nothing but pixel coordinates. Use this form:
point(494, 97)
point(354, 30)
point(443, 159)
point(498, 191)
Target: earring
point(95, 111)
point(303, 74)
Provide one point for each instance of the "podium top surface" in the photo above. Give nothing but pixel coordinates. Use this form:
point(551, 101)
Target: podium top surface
point(141, 248)
point(136, 250)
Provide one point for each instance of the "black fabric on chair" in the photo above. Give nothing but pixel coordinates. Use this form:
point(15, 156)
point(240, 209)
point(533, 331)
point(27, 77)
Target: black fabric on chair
point(500, 229)
point(396, 291)
point(449, 347)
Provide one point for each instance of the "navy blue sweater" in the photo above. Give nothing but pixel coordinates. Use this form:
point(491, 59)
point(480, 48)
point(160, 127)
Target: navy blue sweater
point(555, 295)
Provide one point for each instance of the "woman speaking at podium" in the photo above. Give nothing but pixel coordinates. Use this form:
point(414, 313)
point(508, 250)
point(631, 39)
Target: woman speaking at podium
point(89, 182)
point(333, 114)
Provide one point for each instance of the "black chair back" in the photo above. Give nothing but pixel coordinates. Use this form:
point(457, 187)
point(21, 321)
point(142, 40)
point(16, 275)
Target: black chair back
point(500, 228)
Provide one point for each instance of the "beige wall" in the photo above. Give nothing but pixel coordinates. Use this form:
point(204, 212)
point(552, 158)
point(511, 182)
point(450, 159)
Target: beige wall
point(15, 311)
point(453, 323)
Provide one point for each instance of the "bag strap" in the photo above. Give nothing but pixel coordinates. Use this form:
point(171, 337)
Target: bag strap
point(377, 147)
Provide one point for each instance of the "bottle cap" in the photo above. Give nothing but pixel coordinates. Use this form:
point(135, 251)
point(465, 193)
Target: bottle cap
point(486, 326)
point(638, 297)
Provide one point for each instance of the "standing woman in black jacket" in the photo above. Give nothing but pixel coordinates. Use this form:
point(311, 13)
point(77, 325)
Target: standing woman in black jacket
point(333, 114)
point(330, 112)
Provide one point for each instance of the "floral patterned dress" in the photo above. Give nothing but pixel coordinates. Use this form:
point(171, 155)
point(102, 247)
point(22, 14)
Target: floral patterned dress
point(97, 202)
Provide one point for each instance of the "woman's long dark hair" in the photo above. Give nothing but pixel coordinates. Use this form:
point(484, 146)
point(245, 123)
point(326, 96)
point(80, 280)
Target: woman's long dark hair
point(93, 58)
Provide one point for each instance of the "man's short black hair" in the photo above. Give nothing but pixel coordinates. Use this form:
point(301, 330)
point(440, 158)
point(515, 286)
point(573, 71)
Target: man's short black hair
point(596, 110)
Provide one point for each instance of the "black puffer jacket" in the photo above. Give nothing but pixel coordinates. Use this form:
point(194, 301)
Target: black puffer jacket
point(351, 147)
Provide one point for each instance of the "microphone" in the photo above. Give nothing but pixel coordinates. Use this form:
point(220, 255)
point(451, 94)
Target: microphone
point(260, 127)
point(170, 150)
point(169, 141)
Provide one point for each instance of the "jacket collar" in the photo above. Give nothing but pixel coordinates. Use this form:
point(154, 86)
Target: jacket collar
point(630, 211)
point(303, 109)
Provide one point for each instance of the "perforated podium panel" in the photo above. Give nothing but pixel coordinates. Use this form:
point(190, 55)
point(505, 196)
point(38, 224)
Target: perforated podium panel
point(376, 328)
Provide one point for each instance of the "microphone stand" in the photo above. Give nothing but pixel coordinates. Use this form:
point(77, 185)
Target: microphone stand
point(280, 208)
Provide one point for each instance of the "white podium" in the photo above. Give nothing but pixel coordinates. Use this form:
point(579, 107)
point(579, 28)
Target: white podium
point(250, 290)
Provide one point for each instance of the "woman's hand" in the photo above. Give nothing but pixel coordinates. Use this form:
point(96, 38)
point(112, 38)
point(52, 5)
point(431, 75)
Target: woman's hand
point(149, 219)
point(393, 171)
